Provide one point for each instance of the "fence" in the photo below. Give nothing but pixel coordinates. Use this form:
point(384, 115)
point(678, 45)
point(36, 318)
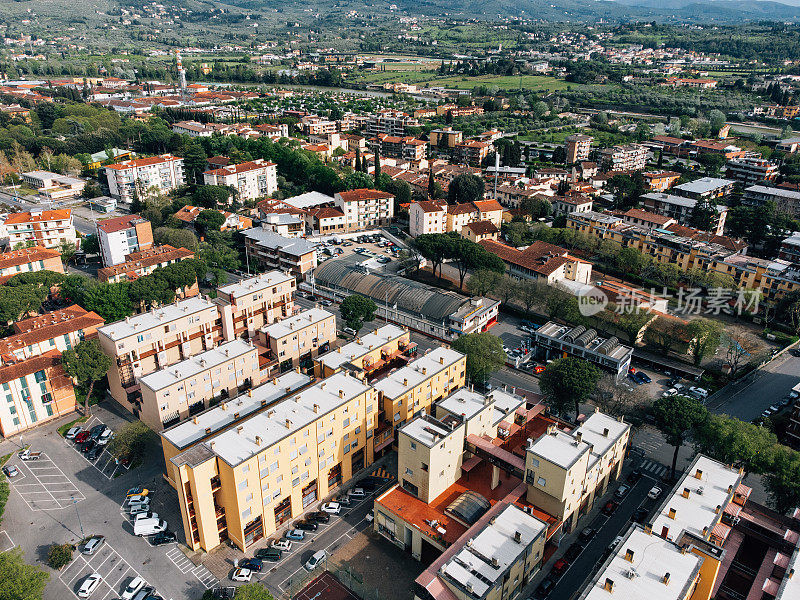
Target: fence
point(345, 573)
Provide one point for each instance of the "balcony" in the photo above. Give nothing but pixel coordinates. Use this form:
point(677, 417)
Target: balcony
point(216, 484)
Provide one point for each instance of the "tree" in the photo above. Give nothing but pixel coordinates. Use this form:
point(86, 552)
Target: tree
point(567, 382)
point(67, 250)
point(90, 244)
point(631, 324)
point(484, 281)
point(177, 238)
point(783, 480)
point(664, 333)
point(19, 580)
point(194, 161)
point(705, 335)
point(716, 118)
point(676, 417)
point(109, 300)
point(252, 591)
point(465, 187)
point(436, 247)
point(377, 173)
point(355, 309)
point(18, 302)
point(739, 349)
point(560, 155)
point(507, 288)
point(617, 400)
point(630, 261)
point(484, 352)
point(537, 207)
point(211, 196)
point(209, 220)
point(703, 215)
point(86, 363)
point(469, 255)
point(132, 441)
point(736, 442)
point(59, 555)
point(357, 180)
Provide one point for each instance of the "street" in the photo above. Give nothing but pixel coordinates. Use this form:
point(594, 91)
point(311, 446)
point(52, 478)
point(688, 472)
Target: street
point(82, 226)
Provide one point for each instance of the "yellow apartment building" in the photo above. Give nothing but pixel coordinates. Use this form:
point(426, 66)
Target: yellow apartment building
point(186, 388)
point(245, 482)
point(247, 306)
point(225, 415)
point(154, 340)
point(566, 472)
point(297, 340)
point(367, 353)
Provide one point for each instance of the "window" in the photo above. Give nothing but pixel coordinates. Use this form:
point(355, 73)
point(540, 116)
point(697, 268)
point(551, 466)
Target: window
point(243, 484)
point(409, 471)
point(541, 481)
point(413, 446)
point(295, 482)
point(534, 462)
point(246, 469)
point(249, 497)
point(273, 467)
point(245, 514)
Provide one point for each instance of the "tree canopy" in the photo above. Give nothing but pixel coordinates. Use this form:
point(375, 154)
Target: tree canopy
point(677, 417)
point(87, 363)
point(19, 580)
point(355, 309)
point(485, 354)
point(567, 382)
point(465, 187)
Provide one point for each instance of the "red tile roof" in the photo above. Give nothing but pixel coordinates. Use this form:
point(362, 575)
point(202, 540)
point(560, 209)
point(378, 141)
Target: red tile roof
point(120, 223)
point(26, 255)
point(429, 207)
point(48, 326)
point(188, 213)
point(20, 368)
point(483, 227)
point(136, 261)
point(364, 194)
point(143, 162)
point(45, 215)
point(240, 168)
point(540, 257)
point(461, 209)
point(643, 215)
point(488, 205)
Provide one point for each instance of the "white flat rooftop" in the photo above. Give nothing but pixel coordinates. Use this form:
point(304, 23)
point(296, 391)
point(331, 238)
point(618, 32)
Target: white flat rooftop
point(401, 381)
point(361, 346)
point(472, 568)
point(309, 199)
point(235, 446)
point(703, 185)
point(221, 416)
point(464, 402)
point(156, 318)
point(653, 557)
point(698, 511)
point(594, 428)
point(426, 430)
point(197, 364)
point(559, 448)
point(505, 403)
point(255, 284)
point(297, 322)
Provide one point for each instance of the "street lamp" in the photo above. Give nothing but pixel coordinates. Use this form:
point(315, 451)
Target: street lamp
point(75, 503)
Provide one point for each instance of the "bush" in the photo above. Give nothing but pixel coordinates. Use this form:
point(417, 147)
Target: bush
point(59, 555)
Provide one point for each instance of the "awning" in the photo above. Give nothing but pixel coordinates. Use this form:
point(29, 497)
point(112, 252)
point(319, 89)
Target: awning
point(470, 463)
point(732, 509)
point(721, 531)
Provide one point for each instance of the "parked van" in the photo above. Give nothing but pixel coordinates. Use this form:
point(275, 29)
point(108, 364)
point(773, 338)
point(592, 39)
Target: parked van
point(149, 526)
point(318, 558)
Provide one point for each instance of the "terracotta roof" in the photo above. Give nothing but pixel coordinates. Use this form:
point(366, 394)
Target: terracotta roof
point(461, 209)
point(429, 207)
point(48, 326)
point(660, 174)
point(143, 162)
point(316, 147)
point(136, 261)
point(483, 227)
point(540, 257)
point(21, 368)
point(327, 212)
point(487, 205)
point(45, 215)
point(219, 160)
point(240, 168)
point(26, 255)
point(188, 213)
point(364, 194)
point(574, 199)
point(643, 215)
point(120, 223)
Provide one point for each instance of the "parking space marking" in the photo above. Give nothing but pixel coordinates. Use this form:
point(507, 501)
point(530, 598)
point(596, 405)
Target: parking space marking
point(178, 558)
point(96, 463)
point(112, 568)
point(6, 545)
point(205, 576)
point(52, 490)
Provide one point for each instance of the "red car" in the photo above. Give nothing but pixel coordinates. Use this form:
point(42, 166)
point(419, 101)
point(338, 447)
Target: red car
point(82, 437)
point(559, 568)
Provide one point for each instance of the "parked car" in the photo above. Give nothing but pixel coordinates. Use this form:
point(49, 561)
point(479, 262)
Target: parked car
point(544, 588)
point(282, 545)
point(82, 437)
point(316, 560)
point(97, 431)
point(559, 568)
point(136, 584)
point(242, 575)
point(271, 554)
point(11, 471)
point(72, 432)
point(94, 452)
point(88, 445)
point(632, 377)
point(344, 500)
point(332, 508)
point(654, 492)
point(622, 491)
point(105, 437)
point(612, 546)
point(573, 551)
point(27, 454)
point(357, 493)
point(306, 525)
point(89, 585)
point(634, 476)
point(165, 537)
point(137, 491)
point(254, 564)
point(586, 534)
point(643, 377)
point(698, 392)
point(145, 515)
point(610, 507)
point(295, 535)
point(138, 500)
point(320, 516)
point(350, 331)
point(94, 542)
point(146, 593)
point(138, 510)
point(669, 392)
point(370, 516)
point(325, 302)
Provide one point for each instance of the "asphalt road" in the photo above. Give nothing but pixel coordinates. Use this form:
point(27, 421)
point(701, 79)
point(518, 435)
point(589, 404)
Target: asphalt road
point(83, 226)
point(767, 386)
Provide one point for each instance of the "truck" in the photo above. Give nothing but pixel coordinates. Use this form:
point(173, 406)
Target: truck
point(150, 526)
point(28, 455)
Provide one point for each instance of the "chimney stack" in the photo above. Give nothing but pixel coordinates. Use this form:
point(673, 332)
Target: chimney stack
point(671, 514)
point(665, 579)
point(686, 492)
point(608, 585)
point(629, 555)
point(698, 474)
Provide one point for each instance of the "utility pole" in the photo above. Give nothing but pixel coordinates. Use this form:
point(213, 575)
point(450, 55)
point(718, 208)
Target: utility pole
point(75, 503)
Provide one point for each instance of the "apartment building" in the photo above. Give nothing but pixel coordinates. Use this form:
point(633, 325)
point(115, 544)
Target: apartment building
point(297, 340)
point(513, 196)
point(403, 148)
point(749, 171)
point(192, 129)
point(705, 188)
point(446, 137)
point(164, 173)
point(47, 228)
point(571, 203)
point(471, 152)
point(479, 231)
point(314, 125)
point(567, 471)
point(247, 306)
point(284, 224)
point(426, 217)
point(252, 179)
point(122, 236)
point(144, 262)
point(325, 220)
point(53, 185)
point(389, 122)
point(681, 208)
point(273, 251)
point(632, 157)
point(34, 383)
point(154, 340)
point(578, 147)
point(226, 414)
point(789, 250)
point(785, 200)
point(365, 208)
point(29, 260)
point(661, 181)
point(542, 261)
point(245, 482)
point(368, 355)
point(189, 387)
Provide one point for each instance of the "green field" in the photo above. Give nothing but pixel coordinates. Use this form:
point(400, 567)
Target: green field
point(429, 78)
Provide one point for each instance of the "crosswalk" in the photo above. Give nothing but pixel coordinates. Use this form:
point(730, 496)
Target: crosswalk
point(178, 558)
point(653, 469)
point(382, 473)
point(205, 576)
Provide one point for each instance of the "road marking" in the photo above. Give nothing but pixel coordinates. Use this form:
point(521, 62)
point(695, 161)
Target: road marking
point(205, 576)
point(178, 558)
point(42, 494)
point(9, 545)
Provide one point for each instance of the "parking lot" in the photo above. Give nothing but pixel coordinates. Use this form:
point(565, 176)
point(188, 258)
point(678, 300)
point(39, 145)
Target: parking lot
point(42, 485)
point(105, 463)
point(108, 563)
point(380, 255)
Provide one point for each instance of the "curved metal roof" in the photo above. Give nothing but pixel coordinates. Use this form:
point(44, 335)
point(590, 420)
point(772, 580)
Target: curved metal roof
point(410, 296)
point(469, 507)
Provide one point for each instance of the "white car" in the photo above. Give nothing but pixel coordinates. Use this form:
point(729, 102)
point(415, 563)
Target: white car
point(105, 437)
point(89, 585)
point(370, 516)
point(72, 432)
point(654, 493)
point(670, 392)
point(698, 392)
point(282, 545)
point(357, 493)
point(138, 501)
point(139, 509)
point(332, 508)
point(145, 515)
point(134, 586)
point(242, 575)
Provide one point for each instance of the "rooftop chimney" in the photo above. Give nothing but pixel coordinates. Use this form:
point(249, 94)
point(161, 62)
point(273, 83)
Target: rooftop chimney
point(341, 393)
point(671, 514)
point(258, 440)
point(665, 579)
point(665, 532)
point(629, 555)
point(686, 492)
point(698, 474)
point(705, 531)
point(288, 423)
point(239, 429)
point(605, 432)
point(609, 585)
point(441, 360)
point(517, 537)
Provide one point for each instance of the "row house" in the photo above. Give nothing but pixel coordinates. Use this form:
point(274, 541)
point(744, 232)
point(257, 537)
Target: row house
point(273, 251)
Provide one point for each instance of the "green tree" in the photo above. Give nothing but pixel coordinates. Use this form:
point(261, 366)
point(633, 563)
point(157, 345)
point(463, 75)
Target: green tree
point(732, 441)
point(67, 250)
point(436, 247)
point(109, 300)
point(90, 244)
point(484, 281)
point(86, 363)
point(630, 261)
point(783, 480)
point(705, 335)
point(465, 187)
point(59, 555)
point(567, 382)
point(484, 353)
point(252, 591)
point(19, 580)
point(178, 238)
point(194, 161)
point(132, 441)
point(17, 302)
point(537, 207)
point(677, 417)
point(355, 309)
point(209, 220)
point(716, 118)
point(211, 196)
point(703, 215)
point(357, 180)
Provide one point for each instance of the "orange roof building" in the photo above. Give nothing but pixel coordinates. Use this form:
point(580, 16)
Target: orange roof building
point(29, 260)
point(48, 228)
point(139, 264)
